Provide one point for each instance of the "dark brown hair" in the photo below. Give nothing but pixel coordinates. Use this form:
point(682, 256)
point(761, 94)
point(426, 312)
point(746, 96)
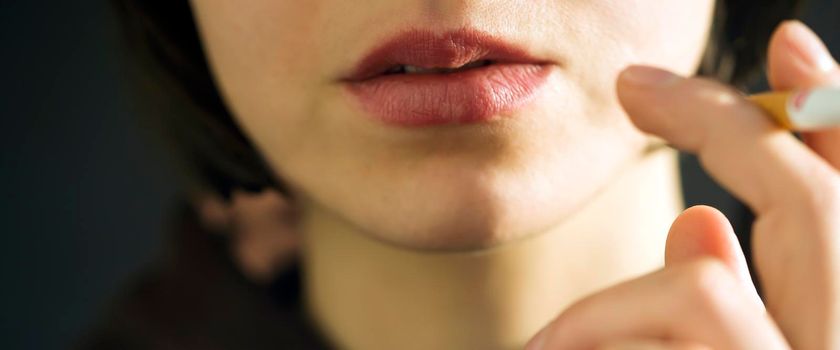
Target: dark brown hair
point(218, 157)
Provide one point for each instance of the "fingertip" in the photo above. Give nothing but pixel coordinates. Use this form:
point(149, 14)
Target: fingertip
point(703, 231)
point(779, 57)
point(642, 76)
point(709, 212)
point(699, 231)
point(639, 89)
point(784, 28)
point(797, 57)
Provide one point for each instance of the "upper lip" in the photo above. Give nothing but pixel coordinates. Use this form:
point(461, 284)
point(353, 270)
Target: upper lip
point(427, 49)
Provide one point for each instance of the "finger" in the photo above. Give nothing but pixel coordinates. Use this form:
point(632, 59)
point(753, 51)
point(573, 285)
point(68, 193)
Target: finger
point(699, 302)
point(652, 344)
point(794, 192)
point(797, 58)
point(758, 162)
point(703, 231)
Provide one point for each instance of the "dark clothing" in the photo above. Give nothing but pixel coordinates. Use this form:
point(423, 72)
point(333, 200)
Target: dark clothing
point(197, 299)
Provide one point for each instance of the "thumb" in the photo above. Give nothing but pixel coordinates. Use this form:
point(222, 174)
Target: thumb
point(703, 231)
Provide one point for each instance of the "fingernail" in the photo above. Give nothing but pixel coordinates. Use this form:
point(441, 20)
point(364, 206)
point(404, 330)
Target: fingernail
point(648, 76)
point(808, 46)
point(537, 341)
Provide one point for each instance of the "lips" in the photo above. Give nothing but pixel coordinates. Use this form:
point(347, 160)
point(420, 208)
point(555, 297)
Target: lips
point(419, 78)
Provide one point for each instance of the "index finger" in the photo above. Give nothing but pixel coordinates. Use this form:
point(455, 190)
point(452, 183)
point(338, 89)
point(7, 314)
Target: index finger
point(760, 163)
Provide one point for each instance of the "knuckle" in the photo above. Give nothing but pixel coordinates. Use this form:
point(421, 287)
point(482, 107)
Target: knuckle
point(721, 104)
point(830, 197)
point(718, 97)
point(561, 328)
point(819, 198)
point(568, 322)
point(706, 285)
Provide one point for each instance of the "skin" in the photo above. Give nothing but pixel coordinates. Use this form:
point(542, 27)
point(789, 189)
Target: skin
point(794, 190)
point(278, 64)
point(477, 236)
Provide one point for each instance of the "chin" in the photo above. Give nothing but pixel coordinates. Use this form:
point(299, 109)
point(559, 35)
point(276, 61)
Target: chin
point(473, 209)
point(473, 187)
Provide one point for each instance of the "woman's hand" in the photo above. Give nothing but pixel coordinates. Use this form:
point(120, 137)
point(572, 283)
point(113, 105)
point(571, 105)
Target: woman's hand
point(703, 297)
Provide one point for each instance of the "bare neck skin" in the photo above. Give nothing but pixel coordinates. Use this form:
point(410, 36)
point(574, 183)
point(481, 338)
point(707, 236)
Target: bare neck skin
point(368, 295)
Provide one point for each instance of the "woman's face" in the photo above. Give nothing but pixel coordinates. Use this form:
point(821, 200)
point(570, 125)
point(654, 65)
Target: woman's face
point(280, 66)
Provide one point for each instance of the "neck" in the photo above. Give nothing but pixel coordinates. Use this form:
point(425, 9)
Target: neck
point(369, 295)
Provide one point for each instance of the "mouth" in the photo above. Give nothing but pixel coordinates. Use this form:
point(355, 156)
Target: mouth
point(419, 78)
point(412, 69)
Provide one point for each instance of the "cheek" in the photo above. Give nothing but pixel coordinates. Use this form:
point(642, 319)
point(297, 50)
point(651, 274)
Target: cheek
point(254, 39)
point(664, 33)
point(608, 35)
point(266, 59)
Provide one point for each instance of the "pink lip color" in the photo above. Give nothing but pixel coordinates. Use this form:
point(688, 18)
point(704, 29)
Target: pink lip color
point(466, 96)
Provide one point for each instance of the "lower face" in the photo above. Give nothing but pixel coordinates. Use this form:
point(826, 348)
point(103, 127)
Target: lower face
point(282, 66)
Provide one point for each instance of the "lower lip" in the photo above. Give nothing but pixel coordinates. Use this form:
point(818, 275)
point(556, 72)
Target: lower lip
point(469, 96)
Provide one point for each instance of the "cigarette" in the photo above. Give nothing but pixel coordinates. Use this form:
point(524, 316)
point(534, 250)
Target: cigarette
point(802, 110)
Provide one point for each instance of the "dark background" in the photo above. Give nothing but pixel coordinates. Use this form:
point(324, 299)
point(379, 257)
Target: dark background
point(84, 189)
